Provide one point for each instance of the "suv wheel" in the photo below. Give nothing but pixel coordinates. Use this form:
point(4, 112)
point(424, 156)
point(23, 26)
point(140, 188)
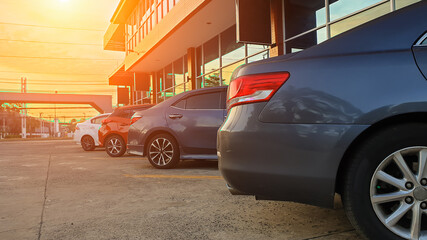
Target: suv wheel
point(87, 142)
point(115, 146)
point(385, 190)
point(163, 151)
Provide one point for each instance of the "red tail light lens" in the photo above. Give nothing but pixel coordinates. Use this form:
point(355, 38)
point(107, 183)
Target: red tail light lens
point(77, 128)
point(134, 119)
point(254, 88)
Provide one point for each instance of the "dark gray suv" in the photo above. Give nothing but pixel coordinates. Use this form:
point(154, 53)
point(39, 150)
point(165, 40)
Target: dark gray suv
point(347, 116)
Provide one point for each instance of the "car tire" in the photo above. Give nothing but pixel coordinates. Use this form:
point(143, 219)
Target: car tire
point(87, 142)
point(115, 146)
point(163, 151)
point(383, 195)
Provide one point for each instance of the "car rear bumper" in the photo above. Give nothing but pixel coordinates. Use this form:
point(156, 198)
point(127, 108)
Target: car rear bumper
point(290, 162)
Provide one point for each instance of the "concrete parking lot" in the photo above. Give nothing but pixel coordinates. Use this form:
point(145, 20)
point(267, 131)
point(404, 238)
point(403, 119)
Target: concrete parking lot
point(55, 190)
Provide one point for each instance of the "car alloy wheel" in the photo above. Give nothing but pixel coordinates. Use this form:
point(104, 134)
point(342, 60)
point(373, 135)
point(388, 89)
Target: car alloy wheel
point(88, 144)
point(163, 151)
point(115, 146)
point(384, 188)
point(399, 192)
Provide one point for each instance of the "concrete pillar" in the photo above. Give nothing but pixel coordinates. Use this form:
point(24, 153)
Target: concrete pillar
point(24, 125)
point(276, 16)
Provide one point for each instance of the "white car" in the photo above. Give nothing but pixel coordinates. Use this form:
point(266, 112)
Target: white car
point(86, 133)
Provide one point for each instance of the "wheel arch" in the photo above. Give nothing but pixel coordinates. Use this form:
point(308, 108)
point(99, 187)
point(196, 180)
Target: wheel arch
point(110, 135)
point(416, 117)
point(156, 132)
point(86, 135)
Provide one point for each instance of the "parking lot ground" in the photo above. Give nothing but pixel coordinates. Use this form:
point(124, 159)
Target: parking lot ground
point(55, 190)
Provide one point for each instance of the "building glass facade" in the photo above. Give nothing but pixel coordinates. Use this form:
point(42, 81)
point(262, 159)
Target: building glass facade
point(216, 59)
point(308, 23)
point(305, 24)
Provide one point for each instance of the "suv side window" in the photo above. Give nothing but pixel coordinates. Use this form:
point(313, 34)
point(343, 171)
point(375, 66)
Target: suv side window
point(204, 101)
point(98, 120)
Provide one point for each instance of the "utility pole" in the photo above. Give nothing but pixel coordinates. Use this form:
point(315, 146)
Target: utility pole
point(55, 122)
point(41, 125)
point(24, 112)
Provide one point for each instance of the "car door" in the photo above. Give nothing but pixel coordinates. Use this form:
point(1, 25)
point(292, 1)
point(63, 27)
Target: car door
point(420, 54)
point(195, 121)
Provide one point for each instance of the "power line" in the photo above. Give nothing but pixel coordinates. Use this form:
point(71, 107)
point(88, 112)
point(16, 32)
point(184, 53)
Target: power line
point(56, 58)
point(44, 91)
point(69, 43)
point(47, 83)
point(41, 26)
point(55, 73)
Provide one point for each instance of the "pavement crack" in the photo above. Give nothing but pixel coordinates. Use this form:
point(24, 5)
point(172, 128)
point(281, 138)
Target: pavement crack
point(45, 198)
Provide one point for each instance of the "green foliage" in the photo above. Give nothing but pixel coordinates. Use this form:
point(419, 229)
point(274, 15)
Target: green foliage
point(212, 80)
point(10, 107)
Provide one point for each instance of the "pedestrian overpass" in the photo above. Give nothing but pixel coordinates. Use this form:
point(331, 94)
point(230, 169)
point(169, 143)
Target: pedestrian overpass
point(102, 103)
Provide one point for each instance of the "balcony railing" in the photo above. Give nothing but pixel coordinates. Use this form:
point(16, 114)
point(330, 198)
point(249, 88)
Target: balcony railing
point(141, 22)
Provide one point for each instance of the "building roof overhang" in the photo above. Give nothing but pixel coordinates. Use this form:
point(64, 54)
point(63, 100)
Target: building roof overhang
point(182, 28)
point(123, 11)
point(120, 77)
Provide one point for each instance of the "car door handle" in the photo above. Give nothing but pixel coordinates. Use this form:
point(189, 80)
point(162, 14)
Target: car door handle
point(175, 116)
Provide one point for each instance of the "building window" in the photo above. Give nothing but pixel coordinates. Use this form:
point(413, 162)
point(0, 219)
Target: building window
point(230, 50)
point(178, 73)
point(216, 60)
point(211, 55)
point(308, 23)
point(358, 19)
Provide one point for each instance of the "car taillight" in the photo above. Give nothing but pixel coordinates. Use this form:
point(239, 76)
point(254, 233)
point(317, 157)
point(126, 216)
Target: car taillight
point(77, 128)
point(254, 88)
point(134, 119)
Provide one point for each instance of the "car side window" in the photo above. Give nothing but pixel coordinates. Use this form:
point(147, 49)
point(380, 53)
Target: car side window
point(129, 113)
point(118, 113)
point(204, 101)
point(422, 41)
point(180, 104)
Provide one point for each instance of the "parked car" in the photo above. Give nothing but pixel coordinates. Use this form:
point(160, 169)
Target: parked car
point(86, 133)
point(182, 127)
point(114, 129)
point(347, 116)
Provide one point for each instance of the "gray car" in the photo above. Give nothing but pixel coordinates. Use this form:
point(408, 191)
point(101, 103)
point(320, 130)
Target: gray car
point(182, 127)
point(347, 116)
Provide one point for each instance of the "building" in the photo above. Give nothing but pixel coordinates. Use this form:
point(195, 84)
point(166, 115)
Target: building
point(174, 46)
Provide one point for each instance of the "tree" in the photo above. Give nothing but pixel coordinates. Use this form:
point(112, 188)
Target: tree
point(212, 80)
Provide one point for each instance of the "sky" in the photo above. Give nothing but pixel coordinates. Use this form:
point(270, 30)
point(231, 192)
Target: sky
point(58, 46)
